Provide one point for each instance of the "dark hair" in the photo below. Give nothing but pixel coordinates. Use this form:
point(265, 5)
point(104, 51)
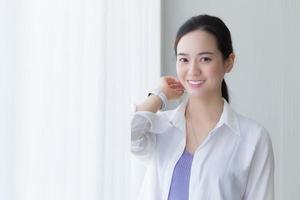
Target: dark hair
point(218, 29)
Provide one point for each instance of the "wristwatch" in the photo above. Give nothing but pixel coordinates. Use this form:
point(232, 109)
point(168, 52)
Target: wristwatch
point(162, 96)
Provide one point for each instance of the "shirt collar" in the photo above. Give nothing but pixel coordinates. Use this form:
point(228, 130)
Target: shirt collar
point(229, 116)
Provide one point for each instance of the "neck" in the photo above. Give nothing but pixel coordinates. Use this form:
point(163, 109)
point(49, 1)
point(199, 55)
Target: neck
point(205, 110)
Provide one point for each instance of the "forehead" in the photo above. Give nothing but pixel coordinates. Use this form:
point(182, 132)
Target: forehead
point(197, 41)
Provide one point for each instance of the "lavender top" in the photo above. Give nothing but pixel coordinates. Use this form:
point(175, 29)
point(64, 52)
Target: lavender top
point(179, 189)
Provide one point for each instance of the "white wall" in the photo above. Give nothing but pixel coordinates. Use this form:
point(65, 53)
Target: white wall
point(263, 84)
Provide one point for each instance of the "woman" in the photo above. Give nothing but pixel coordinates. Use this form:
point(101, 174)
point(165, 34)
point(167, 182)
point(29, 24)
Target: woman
point(203, 149)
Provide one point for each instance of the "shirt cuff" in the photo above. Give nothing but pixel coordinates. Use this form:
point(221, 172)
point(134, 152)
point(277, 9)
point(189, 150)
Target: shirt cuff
point(133, 107)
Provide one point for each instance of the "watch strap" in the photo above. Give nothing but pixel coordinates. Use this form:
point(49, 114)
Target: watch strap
point(162, 96)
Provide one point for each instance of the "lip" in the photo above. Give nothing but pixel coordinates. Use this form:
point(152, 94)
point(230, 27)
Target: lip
point(198, 85)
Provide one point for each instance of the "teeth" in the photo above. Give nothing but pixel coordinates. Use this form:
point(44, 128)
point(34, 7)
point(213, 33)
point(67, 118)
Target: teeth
point(195, 82)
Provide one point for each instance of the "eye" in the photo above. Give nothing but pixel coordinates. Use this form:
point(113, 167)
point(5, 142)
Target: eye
point(183, 60)
point(205, 59)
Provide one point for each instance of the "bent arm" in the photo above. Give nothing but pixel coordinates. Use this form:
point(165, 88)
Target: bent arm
point(143, 140)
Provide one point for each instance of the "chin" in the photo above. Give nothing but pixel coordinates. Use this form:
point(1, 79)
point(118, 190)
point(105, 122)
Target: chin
point(195, 93)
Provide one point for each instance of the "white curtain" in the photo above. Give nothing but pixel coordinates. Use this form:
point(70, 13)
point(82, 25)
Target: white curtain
point(69, 73)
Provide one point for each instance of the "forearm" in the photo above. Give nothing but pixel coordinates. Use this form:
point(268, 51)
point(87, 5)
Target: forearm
point(152, 104)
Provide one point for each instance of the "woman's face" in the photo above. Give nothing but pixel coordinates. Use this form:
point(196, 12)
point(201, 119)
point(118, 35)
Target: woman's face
point(199, 64)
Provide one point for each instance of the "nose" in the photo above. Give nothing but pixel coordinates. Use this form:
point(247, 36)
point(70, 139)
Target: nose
point(194, 69)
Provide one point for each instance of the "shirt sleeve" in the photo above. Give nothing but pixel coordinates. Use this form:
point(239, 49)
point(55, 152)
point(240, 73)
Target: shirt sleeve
point(142, 140)
point(145, 126)
point(260, 185)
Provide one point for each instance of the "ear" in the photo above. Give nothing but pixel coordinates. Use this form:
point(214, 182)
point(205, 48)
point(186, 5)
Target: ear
point(229, 62)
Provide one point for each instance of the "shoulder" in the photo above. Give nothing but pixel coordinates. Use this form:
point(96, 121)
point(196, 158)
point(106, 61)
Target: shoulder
point(252, 130)
point(254, 141)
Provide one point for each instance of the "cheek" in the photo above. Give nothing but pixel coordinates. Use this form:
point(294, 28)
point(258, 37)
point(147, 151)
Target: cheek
point(180, 74)
point(216, 71)
point(179, 71)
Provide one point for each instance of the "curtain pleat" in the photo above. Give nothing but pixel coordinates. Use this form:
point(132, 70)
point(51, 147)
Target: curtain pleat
point(69, 72)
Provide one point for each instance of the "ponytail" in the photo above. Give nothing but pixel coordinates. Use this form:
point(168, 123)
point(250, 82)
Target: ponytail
point(225, 94)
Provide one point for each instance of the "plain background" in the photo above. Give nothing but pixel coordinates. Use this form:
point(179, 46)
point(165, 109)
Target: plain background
point(264, 83)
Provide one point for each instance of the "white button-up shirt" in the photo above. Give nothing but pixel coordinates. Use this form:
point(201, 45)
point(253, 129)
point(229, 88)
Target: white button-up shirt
point(234, 162)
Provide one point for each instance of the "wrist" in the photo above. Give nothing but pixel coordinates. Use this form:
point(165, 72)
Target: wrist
point(162, 96)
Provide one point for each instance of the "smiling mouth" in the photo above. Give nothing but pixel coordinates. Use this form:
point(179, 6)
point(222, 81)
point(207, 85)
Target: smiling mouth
point(196, 82)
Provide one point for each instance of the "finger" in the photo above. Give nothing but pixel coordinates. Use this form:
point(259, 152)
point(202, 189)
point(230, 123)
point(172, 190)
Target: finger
point(175, 82)
point(171, 81)
point(180, 91)
point(169, 77)
point(172, 84)
point(180, 88)
point(178, 82)
point(175, 85)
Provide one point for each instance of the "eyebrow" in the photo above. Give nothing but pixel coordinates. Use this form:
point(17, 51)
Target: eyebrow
point(199, 54)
